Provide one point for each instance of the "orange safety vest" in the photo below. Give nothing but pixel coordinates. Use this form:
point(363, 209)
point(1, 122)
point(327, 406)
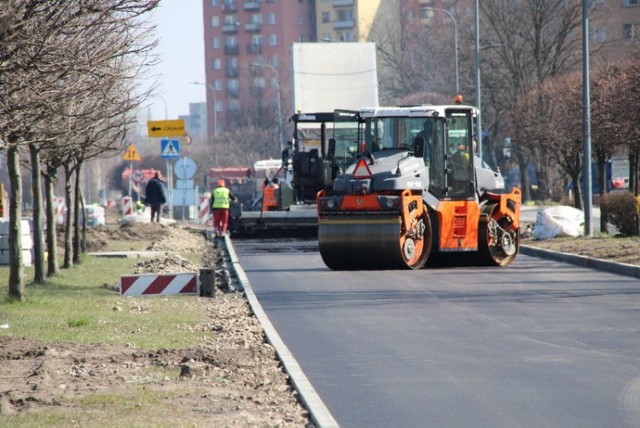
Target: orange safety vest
point(269, 198)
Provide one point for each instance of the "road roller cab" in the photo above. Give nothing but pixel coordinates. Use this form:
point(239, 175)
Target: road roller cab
point(413, 190)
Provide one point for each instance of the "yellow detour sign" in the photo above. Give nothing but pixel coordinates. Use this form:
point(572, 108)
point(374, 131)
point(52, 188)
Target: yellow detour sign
point(166, 128)
point(131, 154)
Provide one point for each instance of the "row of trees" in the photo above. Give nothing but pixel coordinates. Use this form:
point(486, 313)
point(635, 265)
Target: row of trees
point(531, 58)
point(69, 71)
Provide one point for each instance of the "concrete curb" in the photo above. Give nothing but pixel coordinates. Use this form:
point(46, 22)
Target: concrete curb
point(318, 412)
point(583, 261)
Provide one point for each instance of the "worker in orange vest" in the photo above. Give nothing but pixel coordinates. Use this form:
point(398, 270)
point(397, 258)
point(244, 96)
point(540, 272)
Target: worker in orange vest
point(270, 195)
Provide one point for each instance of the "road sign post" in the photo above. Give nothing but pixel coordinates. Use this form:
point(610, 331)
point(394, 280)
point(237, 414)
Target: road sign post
point(131, 155)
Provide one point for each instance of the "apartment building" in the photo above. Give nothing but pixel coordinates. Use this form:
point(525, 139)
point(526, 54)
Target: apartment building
point(248, 43)
point(615, 29)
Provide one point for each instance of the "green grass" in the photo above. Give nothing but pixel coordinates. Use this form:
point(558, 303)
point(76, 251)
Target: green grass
point(103, 409)
point(79, 305)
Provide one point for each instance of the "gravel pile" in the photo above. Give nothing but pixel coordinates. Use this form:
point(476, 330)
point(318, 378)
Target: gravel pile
point(177, 239)
point(166, 264)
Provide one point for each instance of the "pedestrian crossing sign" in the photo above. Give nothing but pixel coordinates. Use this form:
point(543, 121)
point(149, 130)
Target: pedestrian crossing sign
point(170, 149)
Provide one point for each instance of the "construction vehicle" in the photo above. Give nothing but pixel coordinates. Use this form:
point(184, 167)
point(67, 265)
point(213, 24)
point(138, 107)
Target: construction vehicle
point(413, 191)
point(309, 164)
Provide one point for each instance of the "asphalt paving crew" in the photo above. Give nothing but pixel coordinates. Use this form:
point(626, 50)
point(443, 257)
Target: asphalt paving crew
point(270, 195)
point(221, 198)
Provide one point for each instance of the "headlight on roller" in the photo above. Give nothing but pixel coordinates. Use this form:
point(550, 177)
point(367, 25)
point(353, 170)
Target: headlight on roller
point(389, 202)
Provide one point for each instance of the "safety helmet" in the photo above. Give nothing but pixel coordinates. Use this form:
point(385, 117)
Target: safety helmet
point(220, 182)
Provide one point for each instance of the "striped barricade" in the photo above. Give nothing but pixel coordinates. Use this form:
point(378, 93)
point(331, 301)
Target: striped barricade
point(159, 284)
point(127, 206)
point(204, 216)
point(59, 210)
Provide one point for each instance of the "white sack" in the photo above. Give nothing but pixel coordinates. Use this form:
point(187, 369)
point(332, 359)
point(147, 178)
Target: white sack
point(559, 221)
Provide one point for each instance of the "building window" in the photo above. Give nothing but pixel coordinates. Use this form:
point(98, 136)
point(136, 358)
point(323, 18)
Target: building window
point(599, 35)
point(631, 2)
point(215, 21)
point(271, 1)
point(301, 19)
point(256, 18)
point(216, 64)
point(214, 2)
point(345, 15)
point(347, 36)
point(230, 20)
point(257, 40)
point(231, 41)
point(631, 31)
point(271, 19)
point(259, 82)
point(273, 40)
point(326, 17)
point(217, 84)
point(215, 43)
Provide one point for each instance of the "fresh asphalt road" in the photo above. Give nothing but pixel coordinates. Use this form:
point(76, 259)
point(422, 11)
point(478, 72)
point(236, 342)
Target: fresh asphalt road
point(539, 343)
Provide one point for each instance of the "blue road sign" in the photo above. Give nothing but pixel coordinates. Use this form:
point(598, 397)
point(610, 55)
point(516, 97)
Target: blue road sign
point(170, 149)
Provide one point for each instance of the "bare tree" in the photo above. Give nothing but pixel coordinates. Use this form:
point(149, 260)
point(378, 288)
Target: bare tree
point(56, 53)
point(524, 44)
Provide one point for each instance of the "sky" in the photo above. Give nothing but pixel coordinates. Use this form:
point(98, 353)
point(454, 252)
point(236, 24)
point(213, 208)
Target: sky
point(181, 51)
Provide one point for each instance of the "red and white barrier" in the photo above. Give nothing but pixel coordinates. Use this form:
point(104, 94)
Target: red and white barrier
point(150, 284)
point(127, 206)
point(204, 216)
point(59, 210)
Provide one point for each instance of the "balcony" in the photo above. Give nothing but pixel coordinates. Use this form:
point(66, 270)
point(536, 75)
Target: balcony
point(251, 5)
point(254, 48)
point(231, 49)
point(341, 25)
point(252, 26)
point(232, 72)
point(341, 3)
point(233, 92)
point(229, 6)
point(230, 28)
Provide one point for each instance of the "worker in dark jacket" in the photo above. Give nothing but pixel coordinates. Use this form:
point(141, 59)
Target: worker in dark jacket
point(155, 196)
point(221, 198)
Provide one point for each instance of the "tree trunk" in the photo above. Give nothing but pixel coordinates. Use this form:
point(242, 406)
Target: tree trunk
point(602, 184)
point(577, 191)
point(38, 233)
point(16, 262)
point(52, 245)
point(68, 196)
point(633, 170)
point(78, 205)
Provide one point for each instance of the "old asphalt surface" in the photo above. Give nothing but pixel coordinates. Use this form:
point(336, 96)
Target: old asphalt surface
point(319, 413)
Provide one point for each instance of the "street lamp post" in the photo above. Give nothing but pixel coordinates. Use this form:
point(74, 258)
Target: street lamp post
point(478, 93)
point(455, 38)
point(215, 119)
point(215, 107)
point(166, 110)
point(278, 100)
